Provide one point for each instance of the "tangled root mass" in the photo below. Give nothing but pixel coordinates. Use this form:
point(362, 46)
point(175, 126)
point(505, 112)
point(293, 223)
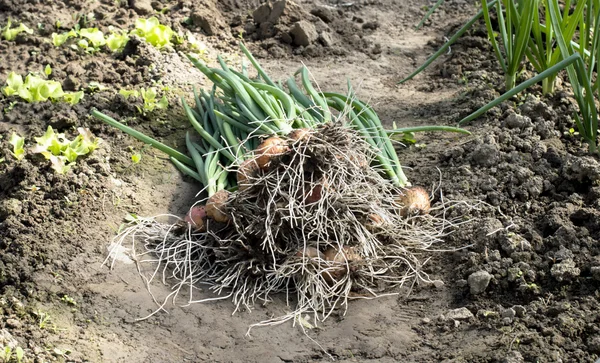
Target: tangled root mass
point(318, 222)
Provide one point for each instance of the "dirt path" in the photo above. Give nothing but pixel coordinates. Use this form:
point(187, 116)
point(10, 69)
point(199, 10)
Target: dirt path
point(58, 302)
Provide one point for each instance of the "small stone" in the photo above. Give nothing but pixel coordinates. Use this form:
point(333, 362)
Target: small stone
point(516, 121)
point(7, 340)
point(326, 39)
point(519, 310)
point(14, 323)
point(479, 281)
point(261, 14)
point(459, 314)
point(565, 270)
point(142, 7)
point(323, 13)
point(277, 11)
point(304, 33)
point(438, 284)
point(508, 313)
point(461, 283)
point(425, 320)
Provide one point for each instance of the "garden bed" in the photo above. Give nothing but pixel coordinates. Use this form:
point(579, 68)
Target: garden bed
point(522, 285)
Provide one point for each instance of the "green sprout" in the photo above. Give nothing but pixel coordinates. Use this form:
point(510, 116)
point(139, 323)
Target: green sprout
point(18, 144)
point(11, 34)
point(48, 70)
point(149, 97)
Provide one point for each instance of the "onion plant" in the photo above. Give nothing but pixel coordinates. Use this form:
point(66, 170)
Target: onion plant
point(579, 59)
point(514, 22)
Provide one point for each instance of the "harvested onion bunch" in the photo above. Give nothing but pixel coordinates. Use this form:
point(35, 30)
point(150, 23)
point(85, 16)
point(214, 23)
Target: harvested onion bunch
point(304, 194)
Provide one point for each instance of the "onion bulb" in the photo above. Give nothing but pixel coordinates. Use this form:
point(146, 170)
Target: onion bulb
point(316, 192)
point(310, 252)
point(415, 200)
point(337, 260)
point(374, 222)
point(299, 134)
point(195, 217)
point(268, 150)
point(216, 207)
point(247, 170)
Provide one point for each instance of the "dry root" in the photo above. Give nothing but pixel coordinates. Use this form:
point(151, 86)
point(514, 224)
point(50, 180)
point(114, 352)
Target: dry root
point(319, 224)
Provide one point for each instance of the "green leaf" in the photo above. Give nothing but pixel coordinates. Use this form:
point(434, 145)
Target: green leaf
point(129, 93)
point(11, 34)
point(73, 98)
point(48, 70)
point(153, 32)
point(163, 103)
point(18, 144)
point(59, 164)
point(95, 36)
point(70, 154)
point(136, 158)
point(14, 83)
point(116, 41)
point(60, 39)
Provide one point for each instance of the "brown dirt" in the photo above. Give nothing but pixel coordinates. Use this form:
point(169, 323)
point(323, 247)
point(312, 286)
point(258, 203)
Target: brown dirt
point(541, 188)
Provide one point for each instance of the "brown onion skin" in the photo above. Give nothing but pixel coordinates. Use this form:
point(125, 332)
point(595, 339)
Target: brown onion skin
point(310, 252)
point(338, 259)
point(299, 134)
point(196, 217)
point(374, 221)
point(247, 170)
point(269, 149)
point(216, 207)
point(415, 201)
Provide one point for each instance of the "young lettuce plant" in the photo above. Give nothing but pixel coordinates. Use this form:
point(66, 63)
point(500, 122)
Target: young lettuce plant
point(36, 89)
point(149, 98)
point(18, 144)
point(153, 32)
point(63, 153)
point(11, 34)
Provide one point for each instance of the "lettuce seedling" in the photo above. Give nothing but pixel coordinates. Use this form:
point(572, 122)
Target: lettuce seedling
point(117, 39)
point(63, 153)
point(18, 144)
point(48, 70)
point(153, 32)
point(11, 34)
point(129, 93)
point(60, 39)
point(149, 97)
point(36, 89)
point(94, 36)
point(150, 103)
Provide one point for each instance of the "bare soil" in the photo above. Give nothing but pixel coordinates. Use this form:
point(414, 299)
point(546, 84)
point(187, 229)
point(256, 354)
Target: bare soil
point(526, 180)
